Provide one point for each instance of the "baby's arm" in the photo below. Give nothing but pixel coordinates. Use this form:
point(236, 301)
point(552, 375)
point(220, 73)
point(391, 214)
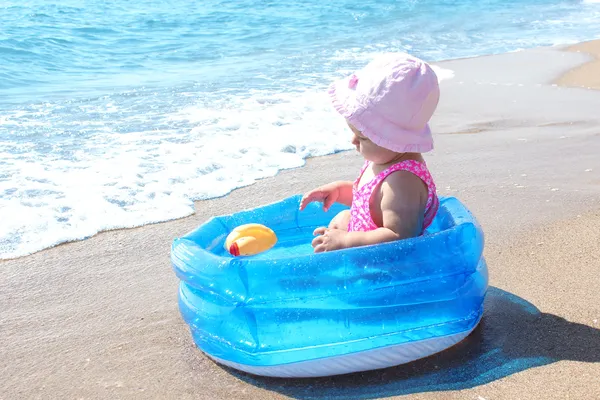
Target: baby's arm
point(339, 191)
point(403, 200)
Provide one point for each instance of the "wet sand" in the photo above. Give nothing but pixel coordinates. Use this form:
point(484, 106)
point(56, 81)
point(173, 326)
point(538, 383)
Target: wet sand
point(99, 318)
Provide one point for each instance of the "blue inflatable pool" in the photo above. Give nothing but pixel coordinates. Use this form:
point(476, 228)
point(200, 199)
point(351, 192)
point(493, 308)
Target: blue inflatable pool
point(290, 312)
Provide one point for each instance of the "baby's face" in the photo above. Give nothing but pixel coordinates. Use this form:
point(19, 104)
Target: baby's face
point(369, 150)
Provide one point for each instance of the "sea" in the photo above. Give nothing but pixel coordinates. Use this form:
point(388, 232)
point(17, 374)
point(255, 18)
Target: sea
point(118, 114)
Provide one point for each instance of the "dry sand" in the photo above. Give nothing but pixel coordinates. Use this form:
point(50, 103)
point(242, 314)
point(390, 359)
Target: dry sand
point(586, 75)
point(99, 318)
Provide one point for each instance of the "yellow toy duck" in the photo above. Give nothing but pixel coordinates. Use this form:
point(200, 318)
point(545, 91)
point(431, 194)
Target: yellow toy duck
point(250, 239)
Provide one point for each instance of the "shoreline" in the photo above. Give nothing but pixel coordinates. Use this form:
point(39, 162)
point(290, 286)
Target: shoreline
point(572, 77)
point(98, 318)
point(578, 76)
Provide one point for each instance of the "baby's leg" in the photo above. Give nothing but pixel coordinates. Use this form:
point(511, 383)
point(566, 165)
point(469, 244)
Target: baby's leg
point(341, 220)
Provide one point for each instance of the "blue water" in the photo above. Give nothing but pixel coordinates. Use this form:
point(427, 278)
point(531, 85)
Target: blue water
point(117, 114)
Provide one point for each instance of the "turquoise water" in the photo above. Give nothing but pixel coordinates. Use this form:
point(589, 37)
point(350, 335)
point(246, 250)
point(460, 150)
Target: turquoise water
point(117, 114)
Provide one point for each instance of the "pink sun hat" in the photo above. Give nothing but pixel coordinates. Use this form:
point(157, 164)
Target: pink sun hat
point(390, 101)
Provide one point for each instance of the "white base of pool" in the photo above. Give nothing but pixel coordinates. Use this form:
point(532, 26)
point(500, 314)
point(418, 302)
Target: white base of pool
point(355, 362)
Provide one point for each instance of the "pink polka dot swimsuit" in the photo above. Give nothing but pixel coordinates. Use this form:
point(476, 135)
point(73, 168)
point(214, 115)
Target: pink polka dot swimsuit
point(360, 212)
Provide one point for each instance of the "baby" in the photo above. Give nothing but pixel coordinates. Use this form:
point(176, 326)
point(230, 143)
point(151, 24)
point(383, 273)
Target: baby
point(387, 106)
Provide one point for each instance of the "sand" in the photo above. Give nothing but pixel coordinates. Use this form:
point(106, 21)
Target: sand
point(98, 319)
point(586, 75)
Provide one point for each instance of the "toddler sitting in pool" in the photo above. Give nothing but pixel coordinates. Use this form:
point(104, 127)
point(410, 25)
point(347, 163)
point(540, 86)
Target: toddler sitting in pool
point(387, 106)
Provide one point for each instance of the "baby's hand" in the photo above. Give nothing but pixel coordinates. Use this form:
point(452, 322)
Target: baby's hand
point(327, 194)
point(328, 239)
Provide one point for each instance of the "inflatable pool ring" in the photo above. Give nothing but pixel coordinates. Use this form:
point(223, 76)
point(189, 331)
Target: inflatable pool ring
point(250, 239)
point(290, 312)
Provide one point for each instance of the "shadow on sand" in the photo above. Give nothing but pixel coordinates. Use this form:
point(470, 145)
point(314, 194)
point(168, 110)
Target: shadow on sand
point(513, 336)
